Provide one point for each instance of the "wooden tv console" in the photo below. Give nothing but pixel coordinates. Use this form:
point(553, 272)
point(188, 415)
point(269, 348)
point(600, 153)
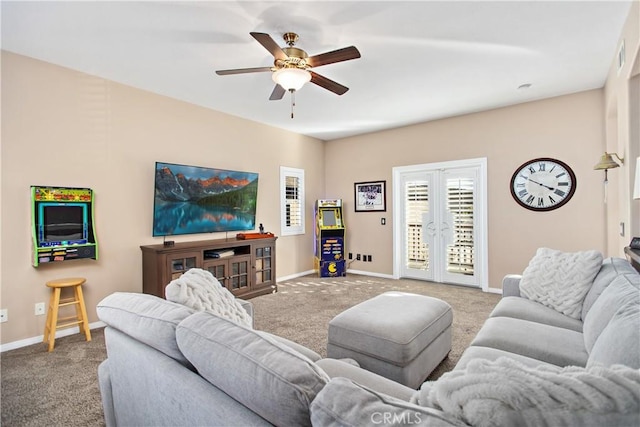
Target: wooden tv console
point(248, 270)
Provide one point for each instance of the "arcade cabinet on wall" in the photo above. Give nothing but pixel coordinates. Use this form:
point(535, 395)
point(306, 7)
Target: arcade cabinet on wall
point(62, 224)
point(329, 239)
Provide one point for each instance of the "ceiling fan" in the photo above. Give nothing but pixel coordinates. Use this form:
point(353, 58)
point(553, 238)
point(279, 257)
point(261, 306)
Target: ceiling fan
point(292, 65)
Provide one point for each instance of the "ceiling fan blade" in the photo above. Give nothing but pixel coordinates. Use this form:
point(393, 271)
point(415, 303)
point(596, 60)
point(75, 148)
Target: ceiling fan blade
point(269, 44)
point(344, 54)
point(328, 84)
point(243, 71)
point(278, 93)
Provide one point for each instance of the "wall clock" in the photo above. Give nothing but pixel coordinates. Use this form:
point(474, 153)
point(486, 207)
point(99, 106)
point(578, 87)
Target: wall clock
point(543, 184)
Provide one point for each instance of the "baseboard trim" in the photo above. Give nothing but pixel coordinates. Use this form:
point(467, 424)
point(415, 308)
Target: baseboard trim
point(368, 273)
point(59, 334)
point(306, 273)
point(295, 276)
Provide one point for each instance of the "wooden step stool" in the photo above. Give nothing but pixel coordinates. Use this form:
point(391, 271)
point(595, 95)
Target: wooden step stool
point(55, 303)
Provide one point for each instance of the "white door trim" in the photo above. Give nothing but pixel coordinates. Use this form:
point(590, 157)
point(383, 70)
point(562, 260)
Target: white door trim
point(482, 243)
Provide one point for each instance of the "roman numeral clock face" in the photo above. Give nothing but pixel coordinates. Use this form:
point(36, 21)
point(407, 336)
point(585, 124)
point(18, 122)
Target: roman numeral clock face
point(543, 184)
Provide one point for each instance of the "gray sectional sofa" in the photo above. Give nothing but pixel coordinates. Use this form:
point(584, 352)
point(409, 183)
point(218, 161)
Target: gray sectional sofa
point(169, 365)
point(535, 334)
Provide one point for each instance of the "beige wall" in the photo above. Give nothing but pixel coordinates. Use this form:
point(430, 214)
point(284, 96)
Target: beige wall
point(622, 101)
point(64, 128)
point(569, 128)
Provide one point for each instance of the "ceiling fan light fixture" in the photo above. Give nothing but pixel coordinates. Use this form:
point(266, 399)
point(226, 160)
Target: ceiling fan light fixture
point(291, 78)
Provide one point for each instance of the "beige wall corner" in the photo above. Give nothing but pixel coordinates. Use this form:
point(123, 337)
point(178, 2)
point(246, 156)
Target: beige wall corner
point(65, 128)
point(622, 115)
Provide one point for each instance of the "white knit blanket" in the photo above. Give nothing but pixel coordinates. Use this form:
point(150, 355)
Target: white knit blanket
point(507, 393)
point(560, 280)
point(199, 290)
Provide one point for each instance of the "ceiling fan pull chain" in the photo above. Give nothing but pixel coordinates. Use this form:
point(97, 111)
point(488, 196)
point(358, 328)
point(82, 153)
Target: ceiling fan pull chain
point(293, 100)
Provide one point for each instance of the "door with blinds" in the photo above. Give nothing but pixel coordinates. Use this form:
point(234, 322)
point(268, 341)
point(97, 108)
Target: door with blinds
point(441, 230)
point(418, 229)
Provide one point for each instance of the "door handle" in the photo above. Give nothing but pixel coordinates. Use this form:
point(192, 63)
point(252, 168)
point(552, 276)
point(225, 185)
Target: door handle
point(431, 228)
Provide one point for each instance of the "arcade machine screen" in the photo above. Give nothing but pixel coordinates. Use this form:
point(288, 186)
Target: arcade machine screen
point(329, 218)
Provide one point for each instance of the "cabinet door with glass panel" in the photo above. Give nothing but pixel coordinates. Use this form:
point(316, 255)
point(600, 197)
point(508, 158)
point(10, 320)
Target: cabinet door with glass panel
point(179, 263)
point(232, 273)
point(265, 261)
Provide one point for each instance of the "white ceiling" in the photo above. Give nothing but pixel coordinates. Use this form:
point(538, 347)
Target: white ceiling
point(420, 60)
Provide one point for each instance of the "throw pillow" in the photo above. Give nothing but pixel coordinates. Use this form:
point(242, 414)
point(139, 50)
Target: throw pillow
point(199, 290)
point(268, 377)
point(560, 280)
point(505, 392)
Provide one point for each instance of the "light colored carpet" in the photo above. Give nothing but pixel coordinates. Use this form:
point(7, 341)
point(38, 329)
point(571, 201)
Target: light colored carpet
point(61, 388)
point(302, 308)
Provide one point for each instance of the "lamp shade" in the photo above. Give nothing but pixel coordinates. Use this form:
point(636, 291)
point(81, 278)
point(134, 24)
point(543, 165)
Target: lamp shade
point(636, 185)
point(291, 78)
point(606, 162)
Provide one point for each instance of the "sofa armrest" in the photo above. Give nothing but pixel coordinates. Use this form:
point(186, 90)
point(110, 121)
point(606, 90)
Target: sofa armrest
point(104, 381)
point(246, 305)
point(338, 368)
point(248, 308)
point(511, 285)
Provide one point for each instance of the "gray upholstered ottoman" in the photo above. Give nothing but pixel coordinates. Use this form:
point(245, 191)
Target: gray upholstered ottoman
point(398, 335)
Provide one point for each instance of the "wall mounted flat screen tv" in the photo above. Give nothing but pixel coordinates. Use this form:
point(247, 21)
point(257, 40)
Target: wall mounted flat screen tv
point(193, 199)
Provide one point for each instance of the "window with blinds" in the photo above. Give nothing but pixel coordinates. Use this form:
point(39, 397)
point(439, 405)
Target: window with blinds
point(416, 204)
point(292, 201)
point(460, 197)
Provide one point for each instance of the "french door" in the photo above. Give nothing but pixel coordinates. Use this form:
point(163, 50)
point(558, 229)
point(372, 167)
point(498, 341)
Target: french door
point(440, 222)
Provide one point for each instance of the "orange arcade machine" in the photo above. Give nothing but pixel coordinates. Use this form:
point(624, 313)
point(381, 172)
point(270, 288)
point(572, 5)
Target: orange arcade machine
point(329, 239)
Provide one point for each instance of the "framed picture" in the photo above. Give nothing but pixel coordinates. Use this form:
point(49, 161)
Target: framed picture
point(370, 196)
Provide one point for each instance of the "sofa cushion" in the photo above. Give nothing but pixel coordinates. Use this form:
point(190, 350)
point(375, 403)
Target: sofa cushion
point(507, 393)
point(252, 368)
point(557, 346)
point(343, 403)
point(147, 318)
point(310, 354)
point(624, 288)
point(610, 269)
point(560, 280)
point(477, 352)
point(341, 368)
point(526, 309)
point(619, 342)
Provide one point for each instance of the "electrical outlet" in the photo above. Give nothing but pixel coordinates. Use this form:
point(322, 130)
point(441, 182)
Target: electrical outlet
point(357, 257)
point(39, 309)
point(4, 315)
point(369, 258)
point(364, 258)
point(350, 255)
